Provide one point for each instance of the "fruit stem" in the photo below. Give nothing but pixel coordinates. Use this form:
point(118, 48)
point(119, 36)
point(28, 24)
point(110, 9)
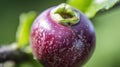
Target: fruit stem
point(65, 14)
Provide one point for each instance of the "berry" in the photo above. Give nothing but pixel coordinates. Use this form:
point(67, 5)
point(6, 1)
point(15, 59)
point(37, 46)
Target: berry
point(62, 36)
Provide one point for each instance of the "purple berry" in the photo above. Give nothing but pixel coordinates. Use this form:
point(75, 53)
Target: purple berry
point(62, 37)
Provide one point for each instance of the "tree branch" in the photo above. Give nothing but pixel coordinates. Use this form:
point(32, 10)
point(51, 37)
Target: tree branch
point(10, 52)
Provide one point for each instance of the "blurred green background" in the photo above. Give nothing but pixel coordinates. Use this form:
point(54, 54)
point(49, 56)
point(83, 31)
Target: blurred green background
point(107, 26)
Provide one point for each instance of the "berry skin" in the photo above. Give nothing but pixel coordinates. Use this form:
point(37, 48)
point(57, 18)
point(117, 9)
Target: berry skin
point(62, 43)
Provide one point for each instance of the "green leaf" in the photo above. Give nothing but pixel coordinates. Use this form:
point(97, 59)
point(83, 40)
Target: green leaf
point(80, 4)
point(91, 7)
point(23, 31)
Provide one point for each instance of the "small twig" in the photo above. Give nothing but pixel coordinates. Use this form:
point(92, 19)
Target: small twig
point(10, 52)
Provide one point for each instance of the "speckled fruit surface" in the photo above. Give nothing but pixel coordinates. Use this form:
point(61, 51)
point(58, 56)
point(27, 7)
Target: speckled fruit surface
point(56, 45)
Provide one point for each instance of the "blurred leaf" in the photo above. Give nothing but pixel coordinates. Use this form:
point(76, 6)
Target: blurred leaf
point(107, 52)
point(91, 7)
point(80, 4)
point(27, 49)
point(31, 63)
point(26, 64)
point(23, 31)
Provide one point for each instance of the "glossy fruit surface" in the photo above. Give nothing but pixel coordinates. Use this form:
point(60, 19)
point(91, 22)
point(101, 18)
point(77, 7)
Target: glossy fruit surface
point(58, 45)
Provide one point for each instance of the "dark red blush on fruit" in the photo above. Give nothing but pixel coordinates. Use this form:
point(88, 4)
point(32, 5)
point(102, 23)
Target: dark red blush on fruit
point(62, 37)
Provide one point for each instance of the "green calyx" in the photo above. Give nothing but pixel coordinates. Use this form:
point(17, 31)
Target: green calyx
point(65, 15)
